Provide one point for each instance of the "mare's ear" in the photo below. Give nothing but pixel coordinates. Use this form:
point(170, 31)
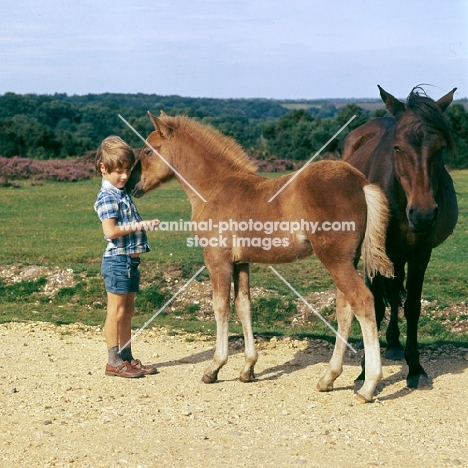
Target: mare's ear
point(446, 100)
point(164, 130)
point(394, 106)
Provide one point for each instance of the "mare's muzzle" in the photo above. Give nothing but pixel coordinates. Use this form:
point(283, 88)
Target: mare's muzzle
point(422, 221)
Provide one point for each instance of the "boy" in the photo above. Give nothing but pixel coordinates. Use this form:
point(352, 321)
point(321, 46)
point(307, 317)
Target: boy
point(126, 240)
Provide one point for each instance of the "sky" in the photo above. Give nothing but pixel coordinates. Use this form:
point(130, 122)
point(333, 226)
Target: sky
point(277, 49)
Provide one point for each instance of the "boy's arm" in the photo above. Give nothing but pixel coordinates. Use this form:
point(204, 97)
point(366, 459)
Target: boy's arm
point(112, 230)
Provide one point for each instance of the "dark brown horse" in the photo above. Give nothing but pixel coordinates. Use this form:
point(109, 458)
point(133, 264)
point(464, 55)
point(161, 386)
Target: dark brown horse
point(246, 212)
point(405, 156)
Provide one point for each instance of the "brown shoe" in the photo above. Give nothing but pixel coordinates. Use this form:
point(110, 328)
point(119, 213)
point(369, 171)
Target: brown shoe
point(147, 370)
point(124, 370)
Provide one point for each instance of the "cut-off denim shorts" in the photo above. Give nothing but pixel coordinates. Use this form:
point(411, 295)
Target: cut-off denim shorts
point(121, 274)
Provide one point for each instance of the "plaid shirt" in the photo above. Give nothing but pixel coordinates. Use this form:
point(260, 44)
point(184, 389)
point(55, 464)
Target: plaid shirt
point(114, 203)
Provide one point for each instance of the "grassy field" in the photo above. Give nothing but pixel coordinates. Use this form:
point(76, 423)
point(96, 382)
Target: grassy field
point(54, 224)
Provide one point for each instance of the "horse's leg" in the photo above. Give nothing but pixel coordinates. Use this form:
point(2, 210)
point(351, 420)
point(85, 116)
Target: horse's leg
point(417, 377)
point(361, 301)
point(377, 285)
point(344, 315)
point(394, 289)
point(389, 288)
point(242, 305)
point(220, 276)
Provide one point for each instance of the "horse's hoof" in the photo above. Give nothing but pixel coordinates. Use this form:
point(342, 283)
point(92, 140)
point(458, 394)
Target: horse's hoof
point(358, 383)
point(324, 388)
point(247, 377)
point(395, 354)
point(419, 382)
point(206, 379)
point(361, 399)
point(210, 377)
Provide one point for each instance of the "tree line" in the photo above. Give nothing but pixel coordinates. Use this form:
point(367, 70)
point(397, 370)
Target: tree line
point(59, 126)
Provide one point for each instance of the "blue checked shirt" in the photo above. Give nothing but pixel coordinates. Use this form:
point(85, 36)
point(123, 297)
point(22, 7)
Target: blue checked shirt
point(112, 202)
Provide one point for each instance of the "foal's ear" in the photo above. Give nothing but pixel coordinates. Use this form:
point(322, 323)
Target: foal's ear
point(394, 106)
point(446, 100)
point(164, 130)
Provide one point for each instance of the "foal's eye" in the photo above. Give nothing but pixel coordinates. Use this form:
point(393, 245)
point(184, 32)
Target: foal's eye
point(148, 151)
point(397, 149)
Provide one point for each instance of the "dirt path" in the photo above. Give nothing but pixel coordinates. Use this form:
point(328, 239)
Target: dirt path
point(58, 408)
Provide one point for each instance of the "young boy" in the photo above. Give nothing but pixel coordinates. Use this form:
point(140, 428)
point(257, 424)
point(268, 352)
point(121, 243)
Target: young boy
point(126, 240)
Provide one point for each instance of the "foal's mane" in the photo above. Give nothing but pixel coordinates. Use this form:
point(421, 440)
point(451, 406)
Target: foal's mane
point(218, 146)
point(429, 114)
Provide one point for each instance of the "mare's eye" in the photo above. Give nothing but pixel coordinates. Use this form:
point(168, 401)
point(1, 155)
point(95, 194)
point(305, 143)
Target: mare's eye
point(397, 149)
point(148, 151)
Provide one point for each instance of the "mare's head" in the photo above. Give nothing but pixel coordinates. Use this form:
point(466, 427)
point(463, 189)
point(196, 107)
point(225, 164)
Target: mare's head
point(422, 136)
point(154, 164)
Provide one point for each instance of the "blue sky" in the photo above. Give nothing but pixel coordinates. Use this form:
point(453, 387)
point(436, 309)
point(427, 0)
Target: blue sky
point(294, 49)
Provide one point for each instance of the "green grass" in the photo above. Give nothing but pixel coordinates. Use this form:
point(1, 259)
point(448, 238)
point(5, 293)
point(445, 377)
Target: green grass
point(54, 224)
point(447, 272)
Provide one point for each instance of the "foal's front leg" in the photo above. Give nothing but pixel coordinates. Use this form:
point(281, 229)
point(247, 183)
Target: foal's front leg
point(220, 276)
point(243, 309)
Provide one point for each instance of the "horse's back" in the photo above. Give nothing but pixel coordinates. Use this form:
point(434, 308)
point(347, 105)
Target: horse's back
point(329, 190)
point(325, 175)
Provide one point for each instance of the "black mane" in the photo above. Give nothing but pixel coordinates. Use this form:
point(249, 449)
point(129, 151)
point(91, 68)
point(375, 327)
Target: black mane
point(430, 115)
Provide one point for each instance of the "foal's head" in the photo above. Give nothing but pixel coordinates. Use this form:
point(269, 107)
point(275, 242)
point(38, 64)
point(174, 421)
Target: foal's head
point(422, 135)
point(154, 165)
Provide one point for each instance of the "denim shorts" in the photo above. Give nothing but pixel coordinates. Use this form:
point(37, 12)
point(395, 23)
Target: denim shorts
point(121, 274)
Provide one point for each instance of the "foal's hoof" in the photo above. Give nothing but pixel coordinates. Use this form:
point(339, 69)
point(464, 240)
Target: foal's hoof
point(358, 383)
point(419, 382)
point(247, 377)
point(395, 353)
point(361, 399)
point(210, 377)
point(321, 387)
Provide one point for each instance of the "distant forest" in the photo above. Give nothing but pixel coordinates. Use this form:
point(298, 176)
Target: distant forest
point(275, 133)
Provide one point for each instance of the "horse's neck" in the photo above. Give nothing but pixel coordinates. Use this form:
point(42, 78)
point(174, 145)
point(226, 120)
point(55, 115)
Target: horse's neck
point(382, 162)
point(447, 200)
point(206, 174)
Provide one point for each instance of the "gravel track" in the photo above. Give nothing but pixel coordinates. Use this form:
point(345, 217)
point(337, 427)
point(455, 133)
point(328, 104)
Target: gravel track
point(58, 408)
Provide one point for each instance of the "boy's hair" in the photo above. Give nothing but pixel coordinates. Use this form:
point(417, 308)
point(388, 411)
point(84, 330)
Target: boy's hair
point(114, 153)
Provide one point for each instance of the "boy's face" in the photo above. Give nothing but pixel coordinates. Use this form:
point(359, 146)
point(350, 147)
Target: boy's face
point(118, 177)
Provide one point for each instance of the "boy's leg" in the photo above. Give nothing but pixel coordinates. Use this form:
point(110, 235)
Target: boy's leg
point(125, 328)
point(116, 304)
point(115, 312)
point(125, 334)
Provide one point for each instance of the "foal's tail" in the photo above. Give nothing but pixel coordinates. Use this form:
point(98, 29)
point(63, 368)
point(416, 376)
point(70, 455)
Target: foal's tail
point(373, 246)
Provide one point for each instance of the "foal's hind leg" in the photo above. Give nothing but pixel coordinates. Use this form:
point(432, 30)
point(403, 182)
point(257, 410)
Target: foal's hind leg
point(220, 275)
point(344, 315)
point(361, 301)
point(242, 304)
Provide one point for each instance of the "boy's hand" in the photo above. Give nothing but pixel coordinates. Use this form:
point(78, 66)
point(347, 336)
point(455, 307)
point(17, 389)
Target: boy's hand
point(152, 223)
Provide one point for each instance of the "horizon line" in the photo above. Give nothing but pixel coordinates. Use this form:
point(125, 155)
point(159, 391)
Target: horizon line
point(284, 100)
